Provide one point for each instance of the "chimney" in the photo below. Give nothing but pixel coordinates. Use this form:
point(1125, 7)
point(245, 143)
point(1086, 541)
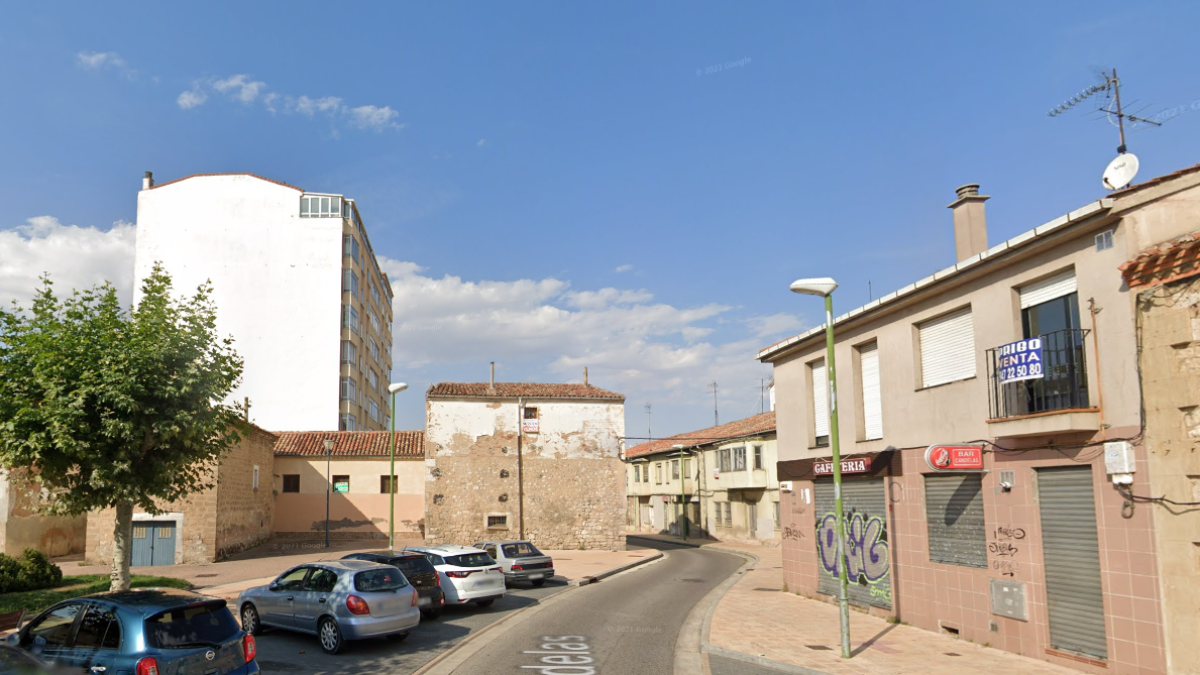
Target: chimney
point(492, 386)
point(970, 226)
point(585, 382)
point(147, 181)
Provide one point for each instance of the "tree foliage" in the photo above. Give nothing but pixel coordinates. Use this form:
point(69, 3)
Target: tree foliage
point(116, 408)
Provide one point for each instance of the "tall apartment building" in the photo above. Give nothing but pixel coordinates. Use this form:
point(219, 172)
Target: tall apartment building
point(297, 285)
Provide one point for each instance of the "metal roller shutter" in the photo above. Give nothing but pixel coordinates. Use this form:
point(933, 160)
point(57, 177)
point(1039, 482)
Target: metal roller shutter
point(868, 555)
point(954, 513)
point(1071, 552)
point(872, 401)
point(947, 348)
point(1046, 290)
point(820, 399)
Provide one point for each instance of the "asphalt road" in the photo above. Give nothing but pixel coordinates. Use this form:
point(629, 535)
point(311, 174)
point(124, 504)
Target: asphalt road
point(625, 625)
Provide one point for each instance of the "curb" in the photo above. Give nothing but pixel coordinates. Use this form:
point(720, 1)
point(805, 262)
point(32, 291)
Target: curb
point(690, 656)
point(672, 542)
point(760, 661)
point(471, 637)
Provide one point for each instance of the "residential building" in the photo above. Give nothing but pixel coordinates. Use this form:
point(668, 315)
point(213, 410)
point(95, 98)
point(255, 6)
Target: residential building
point(1034, 542)
point(724, 476)
point(356, 478)
point(296, 284)
point(524, 461)
point(24, 525)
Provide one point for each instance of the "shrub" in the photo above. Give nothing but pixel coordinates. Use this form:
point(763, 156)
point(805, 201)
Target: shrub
point(10, 570)
point(31, 572)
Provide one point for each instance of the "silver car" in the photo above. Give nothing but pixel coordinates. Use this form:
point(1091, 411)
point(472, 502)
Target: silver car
point(337, 601)
point(520, 560)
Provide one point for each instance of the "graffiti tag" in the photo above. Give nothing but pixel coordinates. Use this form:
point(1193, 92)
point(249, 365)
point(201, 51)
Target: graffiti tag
point(866, 545)
point(1006, 568)
point(790, 532)
point(1010, 533)
point(1003, 549)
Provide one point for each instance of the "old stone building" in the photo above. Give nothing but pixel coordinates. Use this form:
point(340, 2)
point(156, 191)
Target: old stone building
point(24, 525)
point(528, 461)
point(236, 513)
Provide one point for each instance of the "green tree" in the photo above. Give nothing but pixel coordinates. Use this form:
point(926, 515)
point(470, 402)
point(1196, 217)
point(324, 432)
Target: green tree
point(116, 408)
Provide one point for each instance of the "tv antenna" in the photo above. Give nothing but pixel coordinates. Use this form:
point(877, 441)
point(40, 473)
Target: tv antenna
point(1121, 171)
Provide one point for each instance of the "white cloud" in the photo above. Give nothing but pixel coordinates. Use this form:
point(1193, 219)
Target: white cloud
point(240, 87)
point(247, 91)
point(775, 324)
point(480, 143)
point(373, 117)
point(75, 258)
point(623, 268)
point(104, 61)
point(191, 99)
point(309, 107)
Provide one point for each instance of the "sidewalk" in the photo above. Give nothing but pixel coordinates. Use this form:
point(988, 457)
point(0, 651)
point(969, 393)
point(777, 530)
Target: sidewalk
point(759, 621)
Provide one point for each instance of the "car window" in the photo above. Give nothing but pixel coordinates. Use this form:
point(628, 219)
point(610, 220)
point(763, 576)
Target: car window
point(321, 580)
point(382, 579)
point(292, 581)
point(470, 560)
point(55, 627)
point(98, 629)
point(411, 566)
point(434, 558)
point(519, 550)
point(197, 625)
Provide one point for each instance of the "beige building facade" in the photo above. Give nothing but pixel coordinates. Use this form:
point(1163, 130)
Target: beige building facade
point(23, 524)
point(520, 460)
point(1030, 544)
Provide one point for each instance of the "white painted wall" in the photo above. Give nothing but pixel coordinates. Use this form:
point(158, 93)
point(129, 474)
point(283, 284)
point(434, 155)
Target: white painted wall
point(568, 428)
point(276, 280)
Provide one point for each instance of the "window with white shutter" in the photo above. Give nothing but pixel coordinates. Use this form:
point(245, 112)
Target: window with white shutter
point(820, 399)
point(872, 401)
point(1057, 286)
point(947, 348)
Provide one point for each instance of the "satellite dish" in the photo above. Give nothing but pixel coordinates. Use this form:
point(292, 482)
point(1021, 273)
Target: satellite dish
point(1120, 171)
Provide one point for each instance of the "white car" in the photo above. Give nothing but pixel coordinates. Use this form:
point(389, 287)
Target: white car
point(468, 574)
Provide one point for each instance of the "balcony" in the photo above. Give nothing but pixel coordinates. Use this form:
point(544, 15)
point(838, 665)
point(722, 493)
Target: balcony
point(1047, 395)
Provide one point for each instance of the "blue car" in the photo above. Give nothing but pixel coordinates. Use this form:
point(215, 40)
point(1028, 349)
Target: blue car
point(145, 631)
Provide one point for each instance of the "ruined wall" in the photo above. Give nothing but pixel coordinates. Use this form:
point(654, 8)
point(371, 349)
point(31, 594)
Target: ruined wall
point(574, 495)
point(1169, 318)
point(23, 525)
point(246, 513)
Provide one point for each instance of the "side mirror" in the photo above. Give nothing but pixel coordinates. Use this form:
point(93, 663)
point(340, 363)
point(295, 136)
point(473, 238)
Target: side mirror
point(273, 587)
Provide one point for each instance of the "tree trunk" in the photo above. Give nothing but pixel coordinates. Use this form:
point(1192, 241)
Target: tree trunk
point(122, 547)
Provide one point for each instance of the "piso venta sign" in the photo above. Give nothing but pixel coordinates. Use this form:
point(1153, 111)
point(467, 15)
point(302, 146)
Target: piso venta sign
point(1020, 360)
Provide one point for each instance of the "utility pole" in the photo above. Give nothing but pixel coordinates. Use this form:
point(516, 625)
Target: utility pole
point(649, 436)
point(716, 418)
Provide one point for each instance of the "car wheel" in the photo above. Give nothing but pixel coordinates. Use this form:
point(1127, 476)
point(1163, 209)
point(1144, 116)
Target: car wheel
point(250, 621)
point(537, 583)
point(330, 636)
point(431, 614)
point(398, 637)
point(485, 603)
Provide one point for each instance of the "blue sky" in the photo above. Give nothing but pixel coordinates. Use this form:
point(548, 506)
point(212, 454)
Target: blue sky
point(616, 185)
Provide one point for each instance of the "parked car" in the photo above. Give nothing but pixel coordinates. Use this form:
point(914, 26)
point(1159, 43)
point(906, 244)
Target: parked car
point(468, 574)
point(520, 560)
point(419, 572)
point(338, 601)
point(144, 631)
point(15, 661)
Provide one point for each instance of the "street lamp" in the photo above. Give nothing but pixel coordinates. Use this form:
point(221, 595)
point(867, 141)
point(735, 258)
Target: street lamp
point(393, 389)
point(328, 484)
point(682, 504)
point(824, 287)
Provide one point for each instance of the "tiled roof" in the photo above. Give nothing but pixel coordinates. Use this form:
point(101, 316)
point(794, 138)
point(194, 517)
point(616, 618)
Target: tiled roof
point(234, 173)
point(759, 424)
point(520, 389)
point(349, 443)
point(1167, 262)
point(1158, 179)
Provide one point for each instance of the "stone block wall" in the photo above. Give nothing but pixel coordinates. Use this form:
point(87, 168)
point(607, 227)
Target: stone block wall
point(246, 516)
point(23, 524)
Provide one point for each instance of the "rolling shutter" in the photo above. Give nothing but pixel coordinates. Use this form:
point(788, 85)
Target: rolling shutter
point(954, 512)
point(1071, 553)
point(869, 555)
point(871, 399)
point(820, 399)
point(1045, 290)
point(947, 348)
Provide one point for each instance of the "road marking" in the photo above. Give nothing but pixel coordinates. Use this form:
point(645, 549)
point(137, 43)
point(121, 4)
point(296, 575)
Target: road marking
point(564, 655)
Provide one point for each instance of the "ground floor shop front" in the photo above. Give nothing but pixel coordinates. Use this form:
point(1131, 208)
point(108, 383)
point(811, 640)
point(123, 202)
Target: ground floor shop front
point(1036, 554)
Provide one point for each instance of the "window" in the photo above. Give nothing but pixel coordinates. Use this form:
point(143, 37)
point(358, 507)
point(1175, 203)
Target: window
point(872, 400)
point(255, 477)
point(293, 580)
point(374, 321)
point(637, 474)
point(496, 522)
point(645, 473)
point(723, 460)
point(203, 622)
point(674, 469)
point(374, 347)
point(350, 318)
point(375, 293)
point(374, 378)
point(341, 484)
point(739, 459)
point(55, 628)
point(321, 581)
point(687, 467)
point(954, 511)
point(349, 353)
point(776, 505)
point(348, 422)
point(947, 348)
point(351, 284)
point(291, 482)
point(312, 206)
point(383, 484)
point(658, 473)
point(349, 389)
point(99, 629)
point(350, 247)
point(820, 404)
point(373, 410)
point(378, 581)
point(1104, 240)
point(728, 513)
point(758, 457)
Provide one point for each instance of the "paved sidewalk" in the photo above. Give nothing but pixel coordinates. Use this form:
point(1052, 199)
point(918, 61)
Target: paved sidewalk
point(757, 619)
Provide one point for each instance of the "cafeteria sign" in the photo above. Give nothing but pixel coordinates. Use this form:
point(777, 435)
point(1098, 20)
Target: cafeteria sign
point(848, 466)
point(1020, 360)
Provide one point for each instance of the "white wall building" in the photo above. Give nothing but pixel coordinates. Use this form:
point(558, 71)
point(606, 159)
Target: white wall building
point(296, 284)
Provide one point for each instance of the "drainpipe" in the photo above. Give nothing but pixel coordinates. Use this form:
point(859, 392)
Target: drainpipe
point(1093, 310)
point(520, 473)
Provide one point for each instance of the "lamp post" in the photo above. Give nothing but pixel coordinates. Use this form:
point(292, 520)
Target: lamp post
point(328, 485)
point(682, 504)
point(393, 389)
point(824, 287)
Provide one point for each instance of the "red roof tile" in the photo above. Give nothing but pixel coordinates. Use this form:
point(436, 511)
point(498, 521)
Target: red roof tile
point(759, 424)
point(349, 443)
point(520, 389)
point(1170, 261)
point(233, 173)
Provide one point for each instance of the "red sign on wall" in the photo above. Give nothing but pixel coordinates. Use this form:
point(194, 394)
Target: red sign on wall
point(954, 457)
point(848, 466)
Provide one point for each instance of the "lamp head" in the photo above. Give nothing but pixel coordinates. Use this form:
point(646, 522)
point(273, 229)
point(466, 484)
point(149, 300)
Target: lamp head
point(397, 387)
point(821, 286)
point(328, 445)
point(678, 446)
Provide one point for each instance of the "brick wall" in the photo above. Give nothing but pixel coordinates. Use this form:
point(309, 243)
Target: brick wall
point(246, 515)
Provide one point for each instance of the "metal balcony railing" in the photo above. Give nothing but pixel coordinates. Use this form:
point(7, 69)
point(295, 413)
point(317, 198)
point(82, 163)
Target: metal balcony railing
point(1063, 381)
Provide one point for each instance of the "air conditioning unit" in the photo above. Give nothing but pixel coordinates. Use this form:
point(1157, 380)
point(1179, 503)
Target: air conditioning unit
point(785, 485)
